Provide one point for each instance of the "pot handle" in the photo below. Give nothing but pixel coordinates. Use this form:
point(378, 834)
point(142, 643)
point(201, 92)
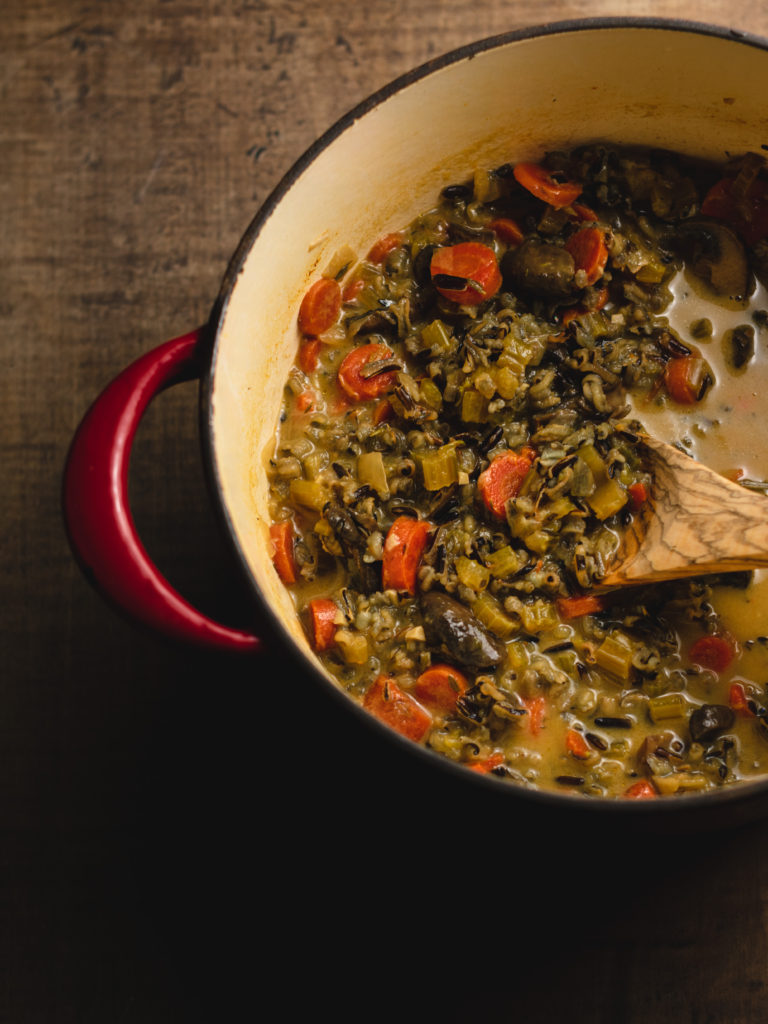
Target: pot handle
point(99, 524)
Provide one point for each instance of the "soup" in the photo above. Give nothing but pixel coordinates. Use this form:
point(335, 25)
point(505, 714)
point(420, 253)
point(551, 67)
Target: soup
point(458, 455)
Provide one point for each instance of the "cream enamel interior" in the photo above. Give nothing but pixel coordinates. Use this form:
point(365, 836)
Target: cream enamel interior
point(679, 89)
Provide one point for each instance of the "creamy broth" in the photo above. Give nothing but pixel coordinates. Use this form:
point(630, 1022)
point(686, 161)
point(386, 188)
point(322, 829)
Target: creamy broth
point(456, 462)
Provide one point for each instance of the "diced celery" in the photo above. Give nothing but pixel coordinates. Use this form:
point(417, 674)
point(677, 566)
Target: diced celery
point(371, 471)
point(437, 337)
point(474, 408)
point(493, 616)
point(431, 395)
point(539, 616)
point(309, 493)
point(615, 656)
point(504, 562)
point(472, 574)
point(669, 705)
point(353, 646)
point(507, 384)
point(439, 468)
point(608, 499)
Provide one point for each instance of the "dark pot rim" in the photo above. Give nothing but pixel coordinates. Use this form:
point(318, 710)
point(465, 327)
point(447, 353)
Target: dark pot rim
point(743, 802)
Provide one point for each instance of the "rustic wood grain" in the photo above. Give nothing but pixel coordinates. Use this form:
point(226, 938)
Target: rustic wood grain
point(136, 142)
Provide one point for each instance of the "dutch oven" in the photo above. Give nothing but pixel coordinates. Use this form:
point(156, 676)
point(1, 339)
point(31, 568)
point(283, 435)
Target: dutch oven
point(681, 86)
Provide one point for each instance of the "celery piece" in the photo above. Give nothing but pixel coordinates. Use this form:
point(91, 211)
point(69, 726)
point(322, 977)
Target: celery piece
point(597, 467)
point(560, 508)
point(538, 541)
point(615, 656)
point(504, 562)
point(474, 408)
point(439, 468)
point(431, 395)
point(608, 499)
point(493, 616)
point(669, 705)
point(507, 384)
point(314, 464)
point(353, 646)
point(437, 337)
point(370, 470)
point(472, 574)
point(539, 616)
point(309, 493)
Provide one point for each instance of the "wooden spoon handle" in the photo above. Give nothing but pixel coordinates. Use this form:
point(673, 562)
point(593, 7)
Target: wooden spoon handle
point(695, 522)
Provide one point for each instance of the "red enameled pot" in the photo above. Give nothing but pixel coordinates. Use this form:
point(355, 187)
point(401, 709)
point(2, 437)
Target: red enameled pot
point(670, 84)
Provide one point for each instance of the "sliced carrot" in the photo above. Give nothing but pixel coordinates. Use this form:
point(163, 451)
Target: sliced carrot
point(589, 251)
point(686, 379)
point(738, 700)
point(487, 764)
point(638, 495)
point(642, 790)
point(440, 686)
point(322, 621)
point(404, 546)
point(584, 213)
point(576, 745)
point(537, 713)
point(352, 376)
point(383, 411)
point(579, 604)
point(320, 306)
point(503, 479)
point(309, 354)
point(281, 535)
point(507, 230)
point(715, 652)
point(385, 245)
point(541, 183)
point(397, 709)
point(467, 273)
point(352, 289)
point(305, 401)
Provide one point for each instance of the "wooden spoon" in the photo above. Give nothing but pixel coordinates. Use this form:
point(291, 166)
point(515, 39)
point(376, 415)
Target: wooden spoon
point(694, 522)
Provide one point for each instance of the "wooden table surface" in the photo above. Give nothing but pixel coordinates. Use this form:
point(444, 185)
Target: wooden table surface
point(156, 824)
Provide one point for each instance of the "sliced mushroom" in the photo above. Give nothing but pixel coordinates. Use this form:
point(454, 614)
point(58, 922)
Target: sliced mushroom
point(540, 270)
point(451, 625)
point(716, 255)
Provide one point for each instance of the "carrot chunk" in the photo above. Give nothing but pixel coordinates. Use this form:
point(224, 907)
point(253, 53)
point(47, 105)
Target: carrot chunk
point(576, 745)
point(404, 546)
point(440, 686)
point(503, 479)
point(642, 790)
point(541, 183)
point(467, 273)
point(537, 713)
point(309, 354)
point(281, 535)
point(507, 230)
point(578, 605)
point(738, 700)
point(686, 379)
point(320, 306)
point(487, 764)
point(638, 495)
point(322, 621)
point(353, 377)
point(397, 709)
point(383, 247)
point(589, 251)
point(714, 652)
